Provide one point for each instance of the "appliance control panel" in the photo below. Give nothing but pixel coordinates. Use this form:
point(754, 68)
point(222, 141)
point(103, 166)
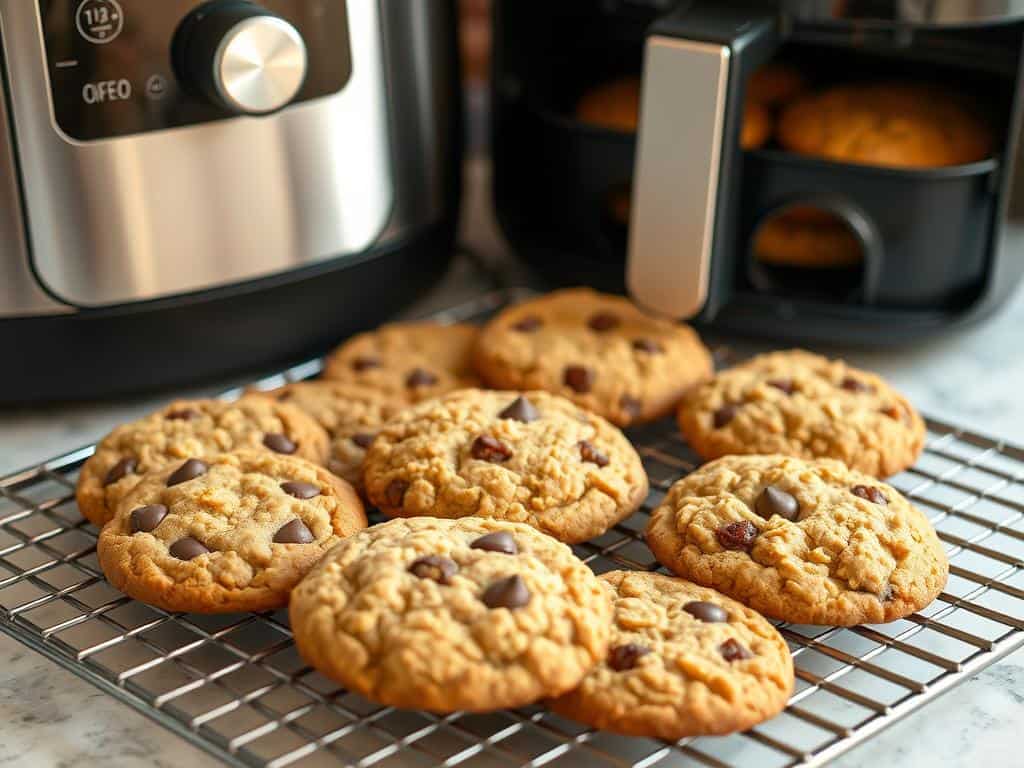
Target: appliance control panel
point(122, 67)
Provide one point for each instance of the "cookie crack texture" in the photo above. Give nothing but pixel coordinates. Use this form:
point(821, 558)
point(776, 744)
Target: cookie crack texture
point(456, 457)
point(845, 560)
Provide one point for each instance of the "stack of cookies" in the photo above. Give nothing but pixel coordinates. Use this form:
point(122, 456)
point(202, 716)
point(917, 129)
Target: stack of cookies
point(492, 450)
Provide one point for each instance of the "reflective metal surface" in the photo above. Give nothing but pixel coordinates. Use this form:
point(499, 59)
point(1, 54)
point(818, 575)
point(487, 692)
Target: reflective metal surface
point(917, 12)
point(259, 65)
point(153, 215)
point(676, 174)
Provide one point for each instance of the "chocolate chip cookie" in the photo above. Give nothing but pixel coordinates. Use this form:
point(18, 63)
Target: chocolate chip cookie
point(682, 660)
point(447, 615)
point(191, 428)
point(527, 457)
point(810, 542)
point(407, 361)
point(800, 404)
point(599, 351)
point(351, 414)
point(231, 533)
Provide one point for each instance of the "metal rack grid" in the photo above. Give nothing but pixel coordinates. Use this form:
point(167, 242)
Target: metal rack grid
point(234, 685)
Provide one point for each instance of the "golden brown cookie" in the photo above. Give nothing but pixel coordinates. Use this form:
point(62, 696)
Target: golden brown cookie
point(407, 361)
point(795, 239)
point(448, 615)
point(809, 542)
point(775, 84)
point(231, 533)
point(757, 125)
point(682, 660)
point(533, 458)
point(350, 413)
point(598, 350)
point(887, 124)
point(191, 428)
point(800, 404)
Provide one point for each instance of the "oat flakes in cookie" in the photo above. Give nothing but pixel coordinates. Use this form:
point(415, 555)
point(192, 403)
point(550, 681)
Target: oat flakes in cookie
point(231, 533)
point(191, 428)
point(800, 404)
point(527, 457)
point(683, 660)
point(805, 541)
point(600, 351)
point(407, 361)
point(446, 615)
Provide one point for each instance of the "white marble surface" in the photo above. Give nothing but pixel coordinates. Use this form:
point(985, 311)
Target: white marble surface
point(972, 377)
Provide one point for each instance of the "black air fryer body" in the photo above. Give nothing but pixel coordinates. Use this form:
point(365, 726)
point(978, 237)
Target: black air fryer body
point(940, 246)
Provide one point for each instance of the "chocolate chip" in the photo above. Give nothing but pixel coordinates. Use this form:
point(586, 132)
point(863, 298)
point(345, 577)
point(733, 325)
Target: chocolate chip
point(603, 321)
point(145, 519)
point(487, 448)
point(725, 414)
point(593, 454)
point(738, 535)
point(187, 548)
point(286, 395)
point(870, 493)
point(630, 406)
point(395, 492)
point(775, 501)
point(300, 490)
point(851, 384)
point(125, 466)
point(294, 532)
point(623, 657)
point(528, 324)
point(709, 612)
point(887, 594)
point(507, 593)
point(365, 362)
point(279, 443)
point(435, 568)
point(190, 470)
point(499, 541)
point(520, 409)
point(578, 378)
point(731, 650)
point(893, 412)
point(418, 377)
point(363, 439)
point(649, 346)
point(784, 385)
point(182, 414)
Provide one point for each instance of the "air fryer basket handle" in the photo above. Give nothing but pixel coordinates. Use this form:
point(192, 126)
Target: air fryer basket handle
point(685, 188)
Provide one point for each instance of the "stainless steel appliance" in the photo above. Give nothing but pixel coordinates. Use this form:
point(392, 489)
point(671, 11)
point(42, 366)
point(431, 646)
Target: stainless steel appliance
point(190, 187)
point(940, 246)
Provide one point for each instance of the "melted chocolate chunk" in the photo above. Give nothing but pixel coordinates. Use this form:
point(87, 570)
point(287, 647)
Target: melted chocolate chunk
point(487, 448)
point(725, 414)
point(578, 378)
point(593, 454)
point(649, 346)
point(851, 384)
point(395, 492)
point(738, 535)
point(300, 490)
point(182, 414)
point(187, 548)
point(189, 470)
point(732, 650)
point(893, 412)
point(435, 568)
point(294, 532)
point(279, 443)
point(527, 324)
point(783, 385)
point(145, 519)
point(499, 541)
point(507, 593)
point(125, 466)
point(630, 406)
point(870, 493)
point(365, 362)
point(520, 409)
point(363, 439)
point(709, 612)
point(603, 321)
point(624, 657)
point(775, 501)
point(419, 377)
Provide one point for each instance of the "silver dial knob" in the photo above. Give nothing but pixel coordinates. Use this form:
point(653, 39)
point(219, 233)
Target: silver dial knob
point(241, 57)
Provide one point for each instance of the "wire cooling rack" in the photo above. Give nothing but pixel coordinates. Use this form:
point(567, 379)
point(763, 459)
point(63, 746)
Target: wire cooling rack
point(234, 685)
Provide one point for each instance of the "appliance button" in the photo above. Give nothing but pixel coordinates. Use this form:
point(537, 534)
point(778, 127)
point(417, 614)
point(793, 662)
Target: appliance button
point(99, 21)
point(156, 86)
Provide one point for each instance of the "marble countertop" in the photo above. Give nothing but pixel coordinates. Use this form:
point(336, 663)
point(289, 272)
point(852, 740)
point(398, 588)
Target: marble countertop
point(971, 377)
